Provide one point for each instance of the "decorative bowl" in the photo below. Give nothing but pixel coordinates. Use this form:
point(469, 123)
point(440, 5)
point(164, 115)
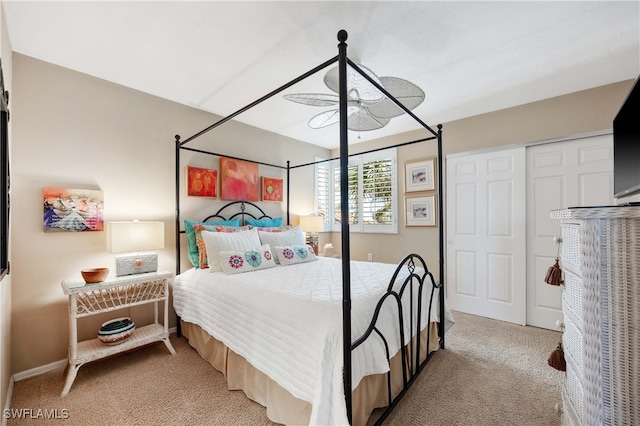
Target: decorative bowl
point(94, 275)
point(116, 331)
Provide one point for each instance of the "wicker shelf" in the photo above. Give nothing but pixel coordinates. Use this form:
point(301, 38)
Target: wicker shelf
point(114, 293)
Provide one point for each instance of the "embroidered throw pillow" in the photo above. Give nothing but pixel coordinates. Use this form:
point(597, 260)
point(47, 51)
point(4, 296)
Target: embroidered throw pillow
point(291, 237)
point(289, 255)
point(235, 262)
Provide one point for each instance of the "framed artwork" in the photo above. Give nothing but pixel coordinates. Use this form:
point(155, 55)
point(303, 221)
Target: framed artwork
point(420, 211)
point(238, 180)
point(271, 189)
point(202, 182)
point(73, 210)
point(420, 175)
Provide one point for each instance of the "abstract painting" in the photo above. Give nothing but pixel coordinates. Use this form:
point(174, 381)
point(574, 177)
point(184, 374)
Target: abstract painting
point(73, 210)
point(238, 180)
point(271, 189)
point(420, 175)
point(202, 182)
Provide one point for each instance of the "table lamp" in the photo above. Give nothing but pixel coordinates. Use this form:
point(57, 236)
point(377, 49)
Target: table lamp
point(134, 237)
point(311, 225)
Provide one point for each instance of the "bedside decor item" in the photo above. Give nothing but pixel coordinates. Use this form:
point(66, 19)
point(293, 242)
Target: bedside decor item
point(420, 211)
point(554, 273)
point(72, 210)
point(116, 331)
point(135, 237)
point(556, 359)
point(202, 182)
point(238, 180)
point(311, 225)
point(420, 175)
point(94, 275)
point(271, 189)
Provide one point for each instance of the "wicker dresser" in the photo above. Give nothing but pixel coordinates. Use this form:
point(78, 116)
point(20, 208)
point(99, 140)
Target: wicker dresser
point(601, 305)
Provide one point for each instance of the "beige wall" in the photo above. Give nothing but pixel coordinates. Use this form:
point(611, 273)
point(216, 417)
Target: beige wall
point(76, 131)
point(5, 285)
point(573, 114)
point(72, 130)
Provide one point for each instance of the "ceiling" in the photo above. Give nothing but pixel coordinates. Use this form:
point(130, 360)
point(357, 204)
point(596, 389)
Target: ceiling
point(468, 57)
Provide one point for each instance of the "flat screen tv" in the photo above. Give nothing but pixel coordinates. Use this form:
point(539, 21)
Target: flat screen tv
point(626, 146)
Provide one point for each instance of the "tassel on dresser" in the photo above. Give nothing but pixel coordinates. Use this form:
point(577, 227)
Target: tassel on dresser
point(554, 273)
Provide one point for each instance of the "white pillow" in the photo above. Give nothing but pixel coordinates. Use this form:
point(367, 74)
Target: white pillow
point(215, 242)
point(291, 237)
point(235, 262)
point(288, 255)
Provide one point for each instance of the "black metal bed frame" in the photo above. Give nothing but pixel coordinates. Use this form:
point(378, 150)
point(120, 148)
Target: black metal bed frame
point(409, 261)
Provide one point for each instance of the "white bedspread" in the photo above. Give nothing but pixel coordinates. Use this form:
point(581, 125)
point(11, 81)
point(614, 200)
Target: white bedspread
point(287, 322)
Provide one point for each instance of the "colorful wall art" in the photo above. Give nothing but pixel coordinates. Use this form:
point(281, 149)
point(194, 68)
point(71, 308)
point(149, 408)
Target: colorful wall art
point(202, 182)
point(73, 210)
point(238, 180)
point(271, 189)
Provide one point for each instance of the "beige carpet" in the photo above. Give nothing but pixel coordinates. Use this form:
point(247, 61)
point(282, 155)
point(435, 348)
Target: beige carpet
point(492, 373)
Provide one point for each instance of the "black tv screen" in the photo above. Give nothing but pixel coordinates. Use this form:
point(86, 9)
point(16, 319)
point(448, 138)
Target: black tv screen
point(626, 146)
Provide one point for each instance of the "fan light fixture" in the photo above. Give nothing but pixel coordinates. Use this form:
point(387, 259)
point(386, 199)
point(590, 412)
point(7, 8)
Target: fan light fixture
point(367, 107)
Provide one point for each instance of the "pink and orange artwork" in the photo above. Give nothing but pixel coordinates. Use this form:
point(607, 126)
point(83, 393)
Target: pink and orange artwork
point(271, 189)
point(202, 182)
point(238, 180)
point(73, 210)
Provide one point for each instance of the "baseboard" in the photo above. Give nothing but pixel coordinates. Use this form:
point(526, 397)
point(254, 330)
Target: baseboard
point(51, 367)
point(7, 403)
point(27, 374)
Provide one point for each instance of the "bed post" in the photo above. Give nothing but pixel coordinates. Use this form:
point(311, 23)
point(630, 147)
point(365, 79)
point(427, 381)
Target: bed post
point(441, 238)
point(288, 187)
point(177, 224)
point(344, 221)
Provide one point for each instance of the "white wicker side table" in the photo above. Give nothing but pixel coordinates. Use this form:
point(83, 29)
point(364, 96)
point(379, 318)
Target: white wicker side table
point(112, 294)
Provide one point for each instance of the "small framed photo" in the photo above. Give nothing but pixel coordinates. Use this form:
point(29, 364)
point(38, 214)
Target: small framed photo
point(420, 211)
point(420, 175)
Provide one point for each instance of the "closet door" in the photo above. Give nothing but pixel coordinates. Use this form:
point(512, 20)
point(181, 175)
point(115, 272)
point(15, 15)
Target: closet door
point(486, 234)
point(563, 174)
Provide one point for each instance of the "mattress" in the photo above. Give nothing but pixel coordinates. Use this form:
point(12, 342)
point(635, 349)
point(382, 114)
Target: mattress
point(287, 322)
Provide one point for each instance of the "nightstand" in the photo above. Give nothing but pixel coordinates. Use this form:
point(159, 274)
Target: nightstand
point(112, 294)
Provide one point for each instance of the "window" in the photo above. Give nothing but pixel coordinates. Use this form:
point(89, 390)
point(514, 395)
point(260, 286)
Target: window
point(372, 192)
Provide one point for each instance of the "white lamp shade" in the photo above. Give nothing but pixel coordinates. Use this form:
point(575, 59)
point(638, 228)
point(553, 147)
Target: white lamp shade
point(135, 236)
point(311, 223)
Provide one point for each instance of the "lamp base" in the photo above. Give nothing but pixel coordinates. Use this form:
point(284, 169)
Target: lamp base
point(131, 264)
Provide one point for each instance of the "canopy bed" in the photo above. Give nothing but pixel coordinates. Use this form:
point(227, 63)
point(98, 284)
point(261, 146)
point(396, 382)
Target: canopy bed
point(379, 325)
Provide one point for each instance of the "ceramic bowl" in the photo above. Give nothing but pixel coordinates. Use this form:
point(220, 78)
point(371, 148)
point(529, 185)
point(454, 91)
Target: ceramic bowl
point(94, 275)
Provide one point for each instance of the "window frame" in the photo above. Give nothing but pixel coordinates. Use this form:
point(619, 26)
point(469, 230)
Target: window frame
point(333, 167)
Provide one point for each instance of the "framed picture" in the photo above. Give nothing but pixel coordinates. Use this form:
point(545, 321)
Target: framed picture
point(72, 210)
point(271, 189)
point(420, 211)
point(420, 175)
point(202, 182)
point(238, 180)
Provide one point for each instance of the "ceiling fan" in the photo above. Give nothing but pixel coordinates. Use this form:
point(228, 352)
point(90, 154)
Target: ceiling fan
point(367, 107)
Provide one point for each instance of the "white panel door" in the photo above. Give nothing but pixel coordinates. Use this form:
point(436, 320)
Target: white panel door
point(560, 175)
point(486, 234)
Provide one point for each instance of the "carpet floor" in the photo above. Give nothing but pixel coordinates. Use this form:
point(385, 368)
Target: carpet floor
point(491, 373)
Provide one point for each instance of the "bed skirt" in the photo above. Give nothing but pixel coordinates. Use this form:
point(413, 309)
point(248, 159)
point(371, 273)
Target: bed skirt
point(282, 406)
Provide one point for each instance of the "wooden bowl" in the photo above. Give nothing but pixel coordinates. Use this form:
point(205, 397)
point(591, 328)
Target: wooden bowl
point(94, 275)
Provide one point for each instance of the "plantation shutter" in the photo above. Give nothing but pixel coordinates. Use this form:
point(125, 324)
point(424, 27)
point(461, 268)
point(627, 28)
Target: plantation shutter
point(377, 192)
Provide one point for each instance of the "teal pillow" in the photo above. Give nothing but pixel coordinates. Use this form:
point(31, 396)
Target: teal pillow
point(276, 222)
point(192, 247)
